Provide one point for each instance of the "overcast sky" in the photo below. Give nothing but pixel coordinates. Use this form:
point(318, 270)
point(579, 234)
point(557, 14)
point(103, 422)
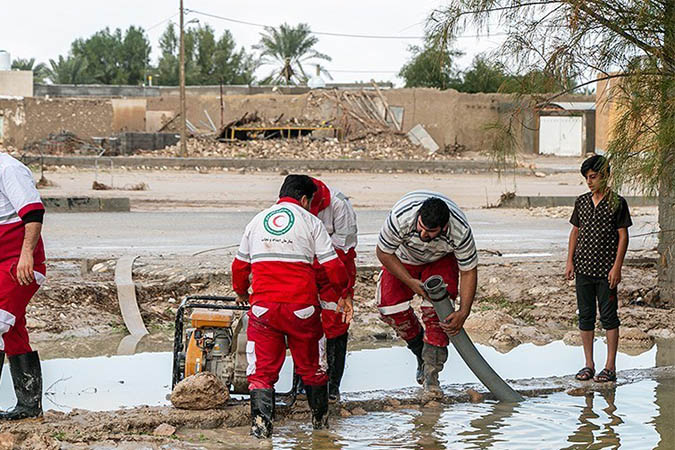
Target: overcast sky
point(44, 29)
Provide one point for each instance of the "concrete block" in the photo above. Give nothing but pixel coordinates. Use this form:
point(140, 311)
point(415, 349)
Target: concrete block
point(117, 204)
point(84, 204)
point(419, 136)
point(55, 204)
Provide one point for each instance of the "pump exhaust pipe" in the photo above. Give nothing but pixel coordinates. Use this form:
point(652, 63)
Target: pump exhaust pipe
point(444, 306)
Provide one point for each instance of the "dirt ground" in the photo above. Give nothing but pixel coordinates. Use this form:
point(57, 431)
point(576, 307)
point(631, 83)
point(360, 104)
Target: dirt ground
point(531, 293)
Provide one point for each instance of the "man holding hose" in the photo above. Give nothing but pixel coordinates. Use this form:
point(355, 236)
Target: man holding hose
point(425, 234)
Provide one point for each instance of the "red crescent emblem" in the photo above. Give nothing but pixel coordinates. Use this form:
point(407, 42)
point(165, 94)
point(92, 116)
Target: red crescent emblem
point(274, 221)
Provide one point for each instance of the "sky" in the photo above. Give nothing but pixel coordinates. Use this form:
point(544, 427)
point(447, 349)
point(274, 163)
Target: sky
point(44, 29)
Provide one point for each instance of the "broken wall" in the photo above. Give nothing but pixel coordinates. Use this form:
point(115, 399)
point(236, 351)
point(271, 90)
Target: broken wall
point(83, 117)
point(12, 121)
point(453, 117)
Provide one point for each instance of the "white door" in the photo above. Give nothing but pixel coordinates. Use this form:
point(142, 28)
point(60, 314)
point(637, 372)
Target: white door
point(560, 135)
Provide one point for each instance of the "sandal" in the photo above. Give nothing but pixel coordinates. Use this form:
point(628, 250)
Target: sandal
point(585, 374)
point(605, 376)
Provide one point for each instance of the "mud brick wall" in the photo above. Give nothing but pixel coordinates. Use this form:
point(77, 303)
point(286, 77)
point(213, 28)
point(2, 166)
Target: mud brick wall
point(84, 117)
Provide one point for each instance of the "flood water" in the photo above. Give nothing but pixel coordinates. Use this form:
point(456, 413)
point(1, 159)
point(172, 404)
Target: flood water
point(634, 416)
point(102, 383)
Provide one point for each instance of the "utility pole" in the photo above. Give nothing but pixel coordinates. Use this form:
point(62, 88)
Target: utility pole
point(183, 118)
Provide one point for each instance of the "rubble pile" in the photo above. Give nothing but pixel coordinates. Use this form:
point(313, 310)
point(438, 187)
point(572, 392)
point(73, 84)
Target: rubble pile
point(383, 146)
point(64, 142)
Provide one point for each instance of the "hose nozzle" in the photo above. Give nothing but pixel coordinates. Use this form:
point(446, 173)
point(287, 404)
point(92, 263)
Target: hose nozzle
point(436, 288)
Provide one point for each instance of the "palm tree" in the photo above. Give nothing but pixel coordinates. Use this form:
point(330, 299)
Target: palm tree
point(70, 70)
point(288, 48)
point(39, 70)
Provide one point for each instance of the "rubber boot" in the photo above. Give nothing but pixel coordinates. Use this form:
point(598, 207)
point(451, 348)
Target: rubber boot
point(336, 349)
point(298, 386)
point(434, 359)
point(27, 378)
point(317, 397)
point(416, 345)
point(262, 412)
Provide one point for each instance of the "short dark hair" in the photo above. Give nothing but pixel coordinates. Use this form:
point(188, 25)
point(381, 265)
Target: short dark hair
point(295, 186)
point(434, 213)
point(596, 163)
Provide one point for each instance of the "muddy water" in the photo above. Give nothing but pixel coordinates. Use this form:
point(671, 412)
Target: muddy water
point(635, 416)
point(111, 382)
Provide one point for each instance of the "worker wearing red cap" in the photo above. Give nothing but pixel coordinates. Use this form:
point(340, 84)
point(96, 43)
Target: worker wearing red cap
point(22, 270)
point(275, 259)
point(339, 218)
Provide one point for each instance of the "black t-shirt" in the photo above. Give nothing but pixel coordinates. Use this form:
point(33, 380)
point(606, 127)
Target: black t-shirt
point(598, 239)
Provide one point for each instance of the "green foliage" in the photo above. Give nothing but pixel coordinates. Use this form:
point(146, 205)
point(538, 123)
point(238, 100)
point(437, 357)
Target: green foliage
point(114, 57)
point(207, 61)
point(70, 70)
point(632, 42)
point(287, 48)
point(430, 67)
point(39, 70)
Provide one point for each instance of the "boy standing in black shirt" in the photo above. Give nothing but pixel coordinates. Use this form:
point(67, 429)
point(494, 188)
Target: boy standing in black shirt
point(597, 246)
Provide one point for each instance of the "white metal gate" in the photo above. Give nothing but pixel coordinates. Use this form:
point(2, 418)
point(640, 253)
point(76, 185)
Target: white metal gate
point(560, 135)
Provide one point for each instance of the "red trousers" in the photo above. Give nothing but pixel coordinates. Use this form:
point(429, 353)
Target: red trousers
point(271, 327)
point(393, 300)
point(332, 322)
point(14, 299)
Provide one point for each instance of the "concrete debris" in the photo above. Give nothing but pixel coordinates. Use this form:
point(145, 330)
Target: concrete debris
point(634, 336)
point(487, 321)
point(382, 146)
point(164, 430)
point(419, 136)
point(200, 392)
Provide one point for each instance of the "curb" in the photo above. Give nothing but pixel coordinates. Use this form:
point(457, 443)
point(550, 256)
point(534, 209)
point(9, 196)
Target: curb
point(551, 202)
point(450, 166)
point(86, 204)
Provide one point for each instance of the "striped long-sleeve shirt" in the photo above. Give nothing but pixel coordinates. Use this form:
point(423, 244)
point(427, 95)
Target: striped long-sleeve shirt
point(399, 234)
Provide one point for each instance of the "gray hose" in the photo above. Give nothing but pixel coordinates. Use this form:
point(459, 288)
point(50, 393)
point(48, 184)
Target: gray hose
point(437, 290)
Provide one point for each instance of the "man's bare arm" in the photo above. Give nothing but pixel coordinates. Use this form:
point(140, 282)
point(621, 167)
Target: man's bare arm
point(396, 268)
point(24, 269)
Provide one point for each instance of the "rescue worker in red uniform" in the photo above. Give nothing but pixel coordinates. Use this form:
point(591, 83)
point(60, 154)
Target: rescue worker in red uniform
point(339, 218)
point(425, 234)
point(22, 270)
point(275, 260)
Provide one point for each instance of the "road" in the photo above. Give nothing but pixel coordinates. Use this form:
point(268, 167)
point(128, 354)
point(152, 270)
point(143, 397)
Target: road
point(107, 235)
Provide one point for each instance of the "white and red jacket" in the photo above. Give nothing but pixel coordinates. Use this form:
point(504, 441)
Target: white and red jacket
point(276, 254)
point(18, 197)
point(336, 213)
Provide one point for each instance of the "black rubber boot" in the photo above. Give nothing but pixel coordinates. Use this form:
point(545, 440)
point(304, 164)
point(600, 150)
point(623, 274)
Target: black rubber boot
point(298, 386)
point(416, 345)
point(336, 353)
point(434, 359)
point(317, 397)
point(262, 412)
point(27, 378)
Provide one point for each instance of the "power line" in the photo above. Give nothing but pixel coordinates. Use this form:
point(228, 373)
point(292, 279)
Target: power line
point(327, 33)
point(159, 23)
point(361, 71)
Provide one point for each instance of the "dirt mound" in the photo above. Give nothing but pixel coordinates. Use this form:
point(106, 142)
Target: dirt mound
point(487, 321)
point(200, 392)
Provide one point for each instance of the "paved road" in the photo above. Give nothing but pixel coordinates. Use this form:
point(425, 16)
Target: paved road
point(103, 235)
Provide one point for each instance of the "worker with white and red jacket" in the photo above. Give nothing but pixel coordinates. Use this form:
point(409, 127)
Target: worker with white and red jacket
point(275, 260)
point(22, 270)
point(339, 218)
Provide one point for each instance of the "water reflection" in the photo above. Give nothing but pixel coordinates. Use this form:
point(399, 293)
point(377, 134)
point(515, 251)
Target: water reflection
point(629, 417)
point(586, 433)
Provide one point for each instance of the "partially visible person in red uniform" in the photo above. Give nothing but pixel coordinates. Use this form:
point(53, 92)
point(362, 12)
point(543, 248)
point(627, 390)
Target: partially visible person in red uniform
point(22, 270)
point(275, 260)
point(339, 218)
